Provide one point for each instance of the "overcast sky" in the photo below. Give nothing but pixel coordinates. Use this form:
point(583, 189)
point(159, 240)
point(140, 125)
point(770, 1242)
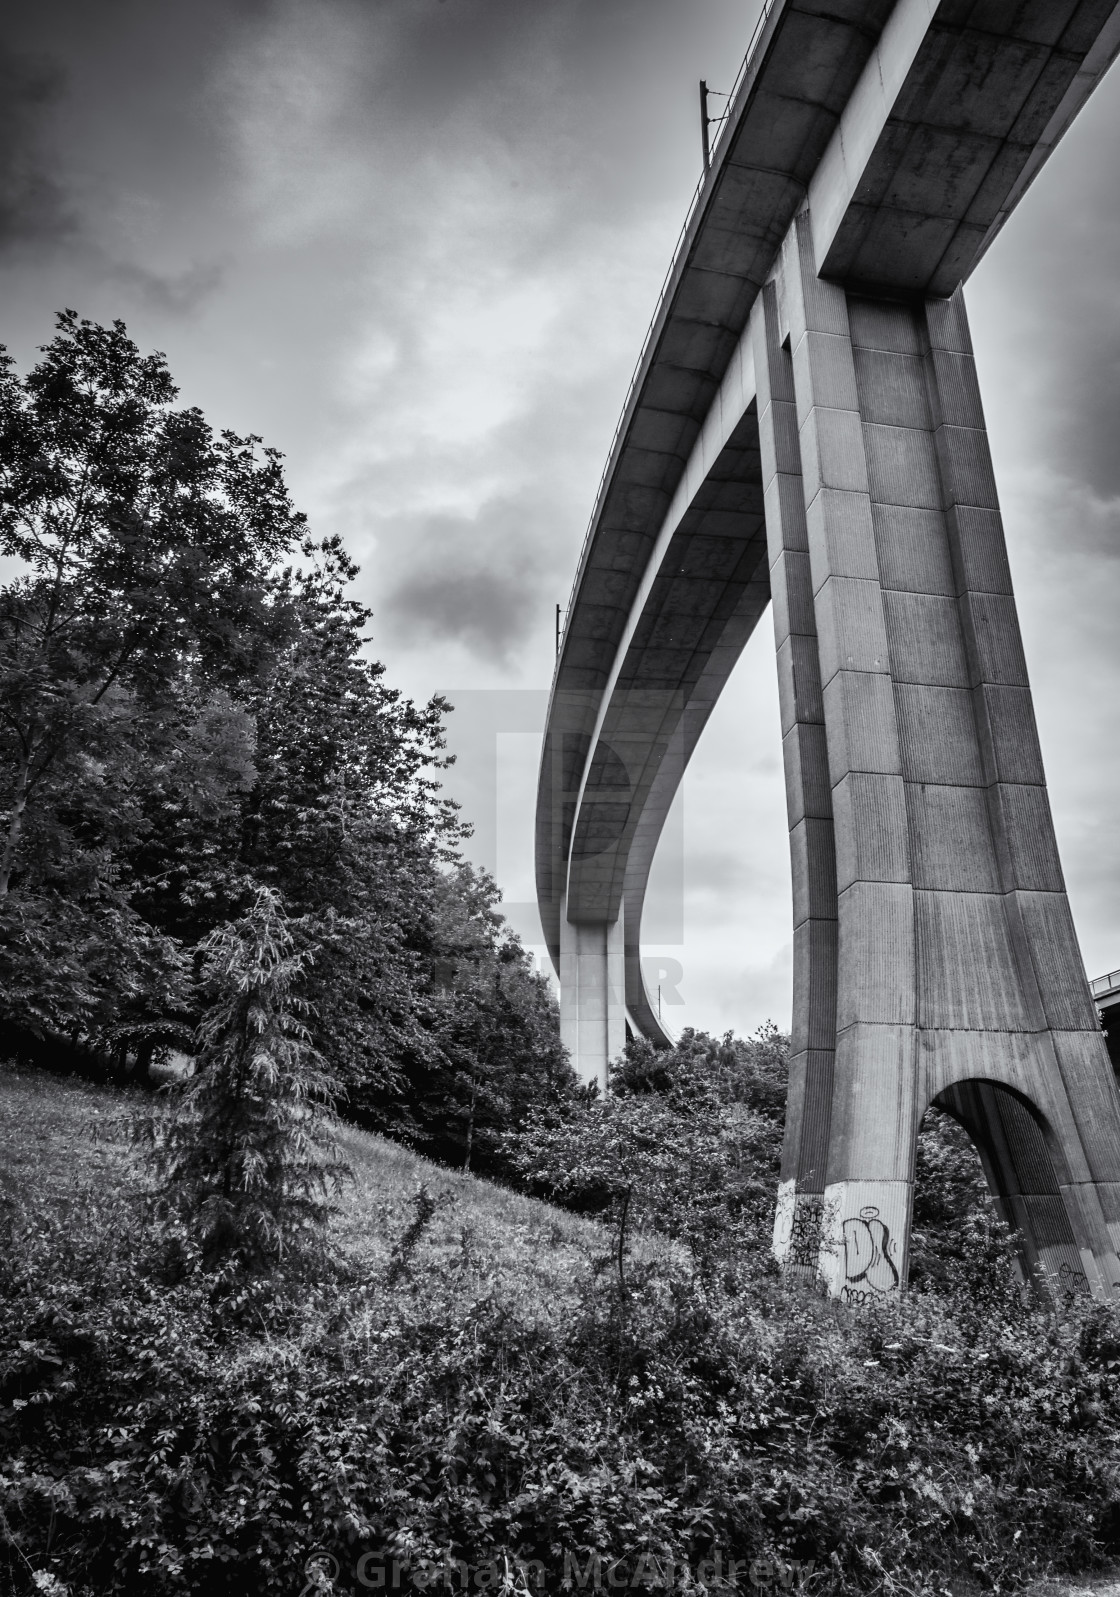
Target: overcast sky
point(415, 244)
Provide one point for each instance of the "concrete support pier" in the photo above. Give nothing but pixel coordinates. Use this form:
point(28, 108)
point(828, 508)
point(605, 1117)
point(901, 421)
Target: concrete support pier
point(935, 954)
point(592, 996)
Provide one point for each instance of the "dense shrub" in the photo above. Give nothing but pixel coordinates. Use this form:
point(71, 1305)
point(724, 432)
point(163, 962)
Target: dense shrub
point(159, 1439)
point(689, 1143)
point(680, 1146)
point(958, 1241)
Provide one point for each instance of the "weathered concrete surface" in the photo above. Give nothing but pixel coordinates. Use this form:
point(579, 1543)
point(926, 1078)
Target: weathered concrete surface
point(938, 955)
point(806, 423)
point(953, 116)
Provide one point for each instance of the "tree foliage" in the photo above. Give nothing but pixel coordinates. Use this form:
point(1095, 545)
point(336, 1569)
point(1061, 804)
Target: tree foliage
point(688, 1143)
point(147, 546)
point(493, 1047)
point(189, 714)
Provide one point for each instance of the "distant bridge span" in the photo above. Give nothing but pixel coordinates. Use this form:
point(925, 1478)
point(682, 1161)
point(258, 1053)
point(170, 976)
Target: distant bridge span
point(805, 426)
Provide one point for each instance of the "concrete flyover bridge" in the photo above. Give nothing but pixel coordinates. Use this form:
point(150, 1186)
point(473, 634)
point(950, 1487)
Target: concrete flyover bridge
point(805, 427)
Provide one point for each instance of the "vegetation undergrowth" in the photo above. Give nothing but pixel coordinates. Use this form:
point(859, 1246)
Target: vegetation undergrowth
point(464, 1392)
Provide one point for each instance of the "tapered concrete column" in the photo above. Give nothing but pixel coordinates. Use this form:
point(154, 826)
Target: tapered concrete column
point(1071, 1083)
point(871, 1152)
point(592, 995)
point(956, 957)
point(809, 802)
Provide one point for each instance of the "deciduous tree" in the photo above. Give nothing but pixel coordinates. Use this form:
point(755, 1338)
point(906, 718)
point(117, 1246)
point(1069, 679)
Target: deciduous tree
point(148, 547)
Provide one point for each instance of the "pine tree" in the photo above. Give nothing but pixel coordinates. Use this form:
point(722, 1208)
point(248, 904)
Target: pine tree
point(246, 1157)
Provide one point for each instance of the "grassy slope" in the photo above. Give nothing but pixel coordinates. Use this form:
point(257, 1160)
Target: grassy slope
point(60, 1136)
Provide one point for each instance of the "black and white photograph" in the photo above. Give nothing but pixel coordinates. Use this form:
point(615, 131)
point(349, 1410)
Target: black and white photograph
point(559, 752)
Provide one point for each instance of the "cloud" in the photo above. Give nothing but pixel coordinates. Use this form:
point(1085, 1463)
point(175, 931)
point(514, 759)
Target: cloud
point(177, 293)
point(476, 580)
point(1050, 289)
point(67, 196)
point(35, 209)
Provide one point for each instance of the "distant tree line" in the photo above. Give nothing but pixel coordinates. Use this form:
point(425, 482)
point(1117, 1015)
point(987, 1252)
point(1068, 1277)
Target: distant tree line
point(188, 716)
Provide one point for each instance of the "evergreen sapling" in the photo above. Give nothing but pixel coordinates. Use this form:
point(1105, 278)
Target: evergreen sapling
point(246, 1157)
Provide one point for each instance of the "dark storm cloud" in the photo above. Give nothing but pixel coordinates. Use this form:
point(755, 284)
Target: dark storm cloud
point(482, 170)
point(91, 99)
point(34, 206)
point(563, 100)
point(476, 580)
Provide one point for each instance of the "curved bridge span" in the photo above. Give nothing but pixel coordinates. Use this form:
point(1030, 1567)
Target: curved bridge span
point(805, 426)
